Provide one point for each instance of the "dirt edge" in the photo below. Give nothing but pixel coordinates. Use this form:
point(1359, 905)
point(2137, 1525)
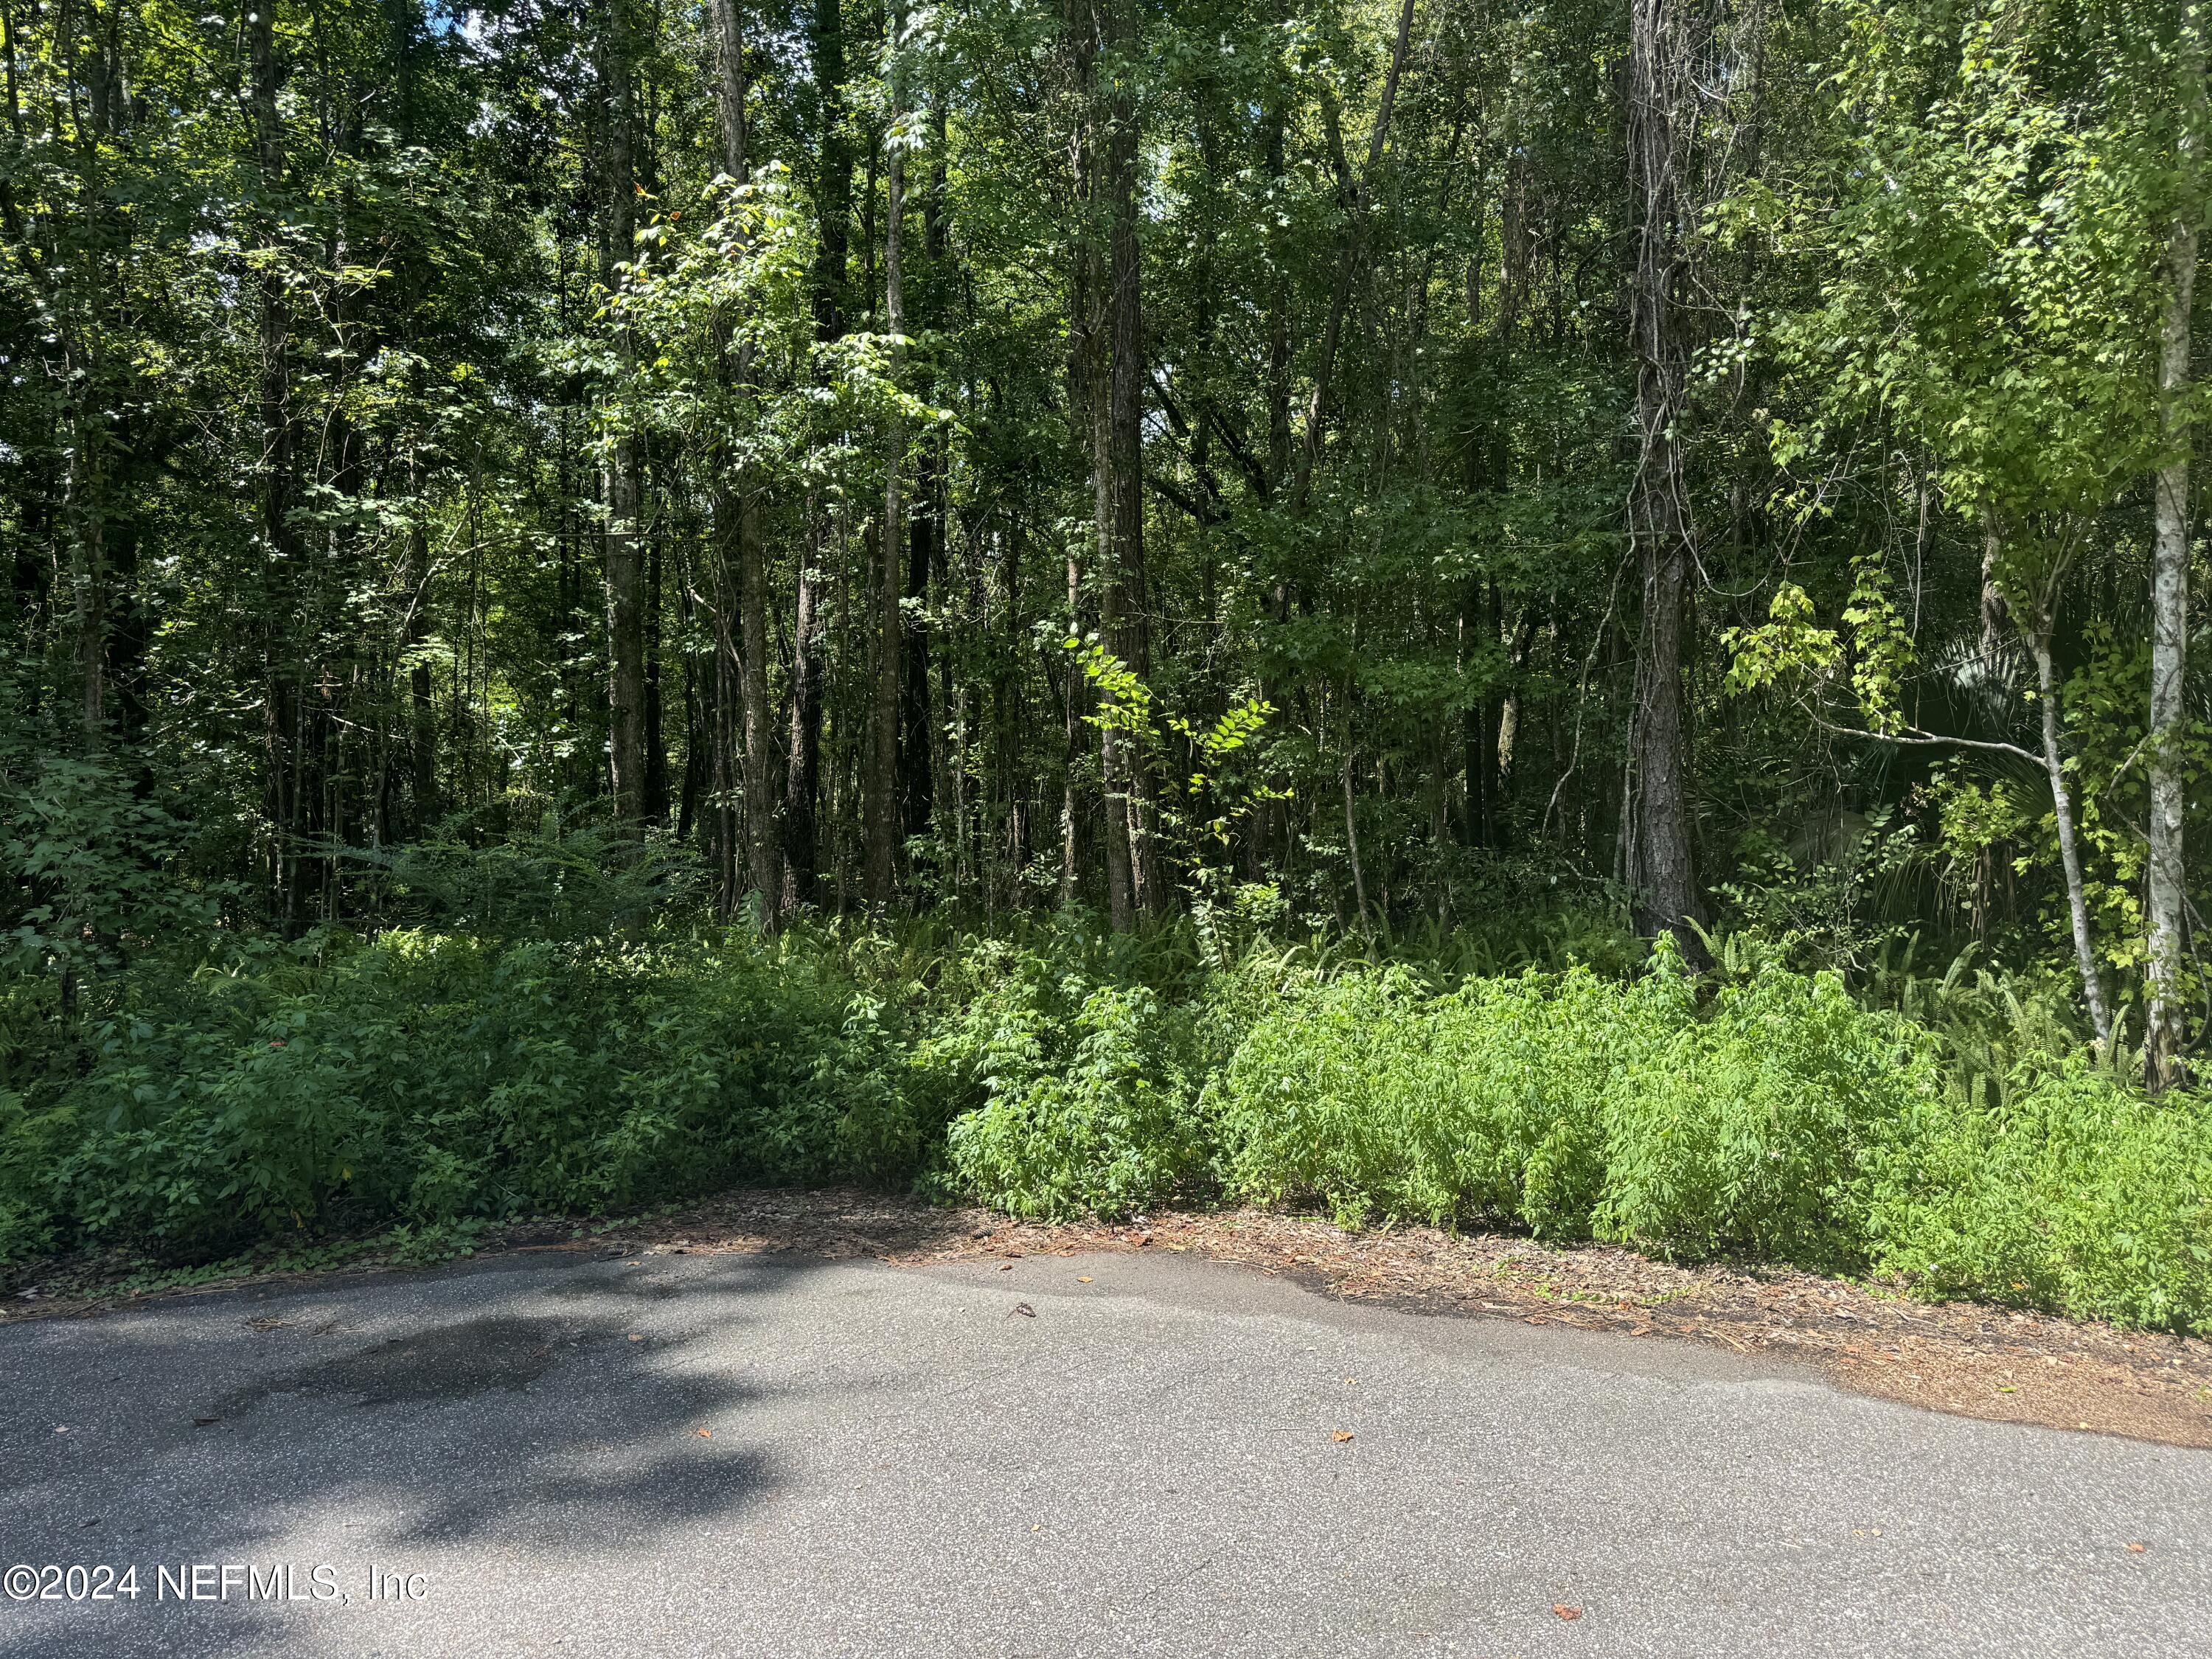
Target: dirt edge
point(1963, 1358)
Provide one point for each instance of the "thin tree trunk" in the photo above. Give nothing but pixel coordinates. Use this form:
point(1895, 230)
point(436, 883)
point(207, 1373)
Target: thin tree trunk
point(2166, 895)
point(833, 199)
point(423, 730)
point(1134, 878)
point(738, 513)
point(624, 569)
point(884, 823)
point(1089, 396)
point(921, 725)
point(282, 688)
point(1352, 844)
point(84, 503)
point(1663, 875)
point(1070, 824)
point(925, 557)
point(87, 516)
point(651, 634)
point(2070, 851)
point(802, 784)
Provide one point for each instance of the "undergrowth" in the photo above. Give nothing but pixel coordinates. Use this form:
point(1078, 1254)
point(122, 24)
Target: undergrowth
point(1961, 1139)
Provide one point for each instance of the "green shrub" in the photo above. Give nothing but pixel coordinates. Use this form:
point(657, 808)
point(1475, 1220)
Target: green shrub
point(429, 1078)
point(436, 1082)
point(1756, 1128)
point(2074, 1194)
point(1365, 1095)
point(1089, 1101)
point(1784, 1122)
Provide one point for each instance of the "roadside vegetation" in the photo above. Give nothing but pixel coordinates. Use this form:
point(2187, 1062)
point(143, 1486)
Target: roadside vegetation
point(1951, 1131)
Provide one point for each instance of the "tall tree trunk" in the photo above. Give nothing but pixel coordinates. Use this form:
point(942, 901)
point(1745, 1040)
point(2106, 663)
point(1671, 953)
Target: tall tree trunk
point(656, 741)
point(833, 200)
point(802, 783)
point(84, 502)
point(1266, 827)
point(86, 512)
point(883, 822)
point(415, 635)
point(623, 567)
point(925, 557)
point(281, 693)
point(920, 728)
point(1134, 883)
point(1274, 118)
point(2166, 895)
point(1351, 845)
point(1073, 710)
point(738, 517)
point(1663, 873)
point(926, 546)
point(1086, 399)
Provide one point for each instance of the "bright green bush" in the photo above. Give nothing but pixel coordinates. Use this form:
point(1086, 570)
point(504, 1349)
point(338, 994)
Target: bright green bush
point(1784, 1122)
point(2074, 1193)
point(1575, 1107)
point(1088, 1100)
point(1365, 1095)
point(1758, 1127)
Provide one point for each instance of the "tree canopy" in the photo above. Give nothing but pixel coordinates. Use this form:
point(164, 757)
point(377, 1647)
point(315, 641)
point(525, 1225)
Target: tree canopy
point(1351, 466)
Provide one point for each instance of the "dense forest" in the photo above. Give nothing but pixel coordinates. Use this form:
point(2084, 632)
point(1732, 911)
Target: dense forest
point(822, 523)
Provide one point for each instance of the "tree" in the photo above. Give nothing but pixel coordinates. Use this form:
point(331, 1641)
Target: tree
point(886, 824)
point(738, 519)
point(623, 562)
point(2167, 897)
point(1664, 47)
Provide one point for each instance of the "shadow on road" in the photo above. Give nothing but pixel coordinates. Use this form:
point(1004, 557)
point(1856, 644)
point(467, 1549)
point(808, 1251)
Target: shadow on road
point(535, 1404)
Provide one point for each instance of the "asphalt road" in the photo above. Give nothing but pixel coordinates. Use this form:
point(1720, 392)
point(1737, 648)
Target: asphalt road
point(486, 1461)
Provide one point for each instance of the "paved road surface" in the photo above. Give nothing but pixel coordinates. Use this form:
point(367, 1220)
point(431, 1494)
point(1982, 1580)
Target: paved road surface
point(901, 1462)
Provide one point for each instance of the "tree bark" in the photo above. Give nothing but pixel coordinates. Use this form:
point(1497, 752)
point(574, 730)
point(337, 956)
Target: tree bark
point(926, 548)
point(1663, 873)
point(1072, 713)
point(883, 822)
point(1352, 844)
point(802, 783)
point(2165, 897)
point(283, 758)
point(414, 633)
point(738, 514)
point(623, 567)
point(1134, 885)
point(87, 519)
point(833, 199)
point(85, 475)
point(2070, 851)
